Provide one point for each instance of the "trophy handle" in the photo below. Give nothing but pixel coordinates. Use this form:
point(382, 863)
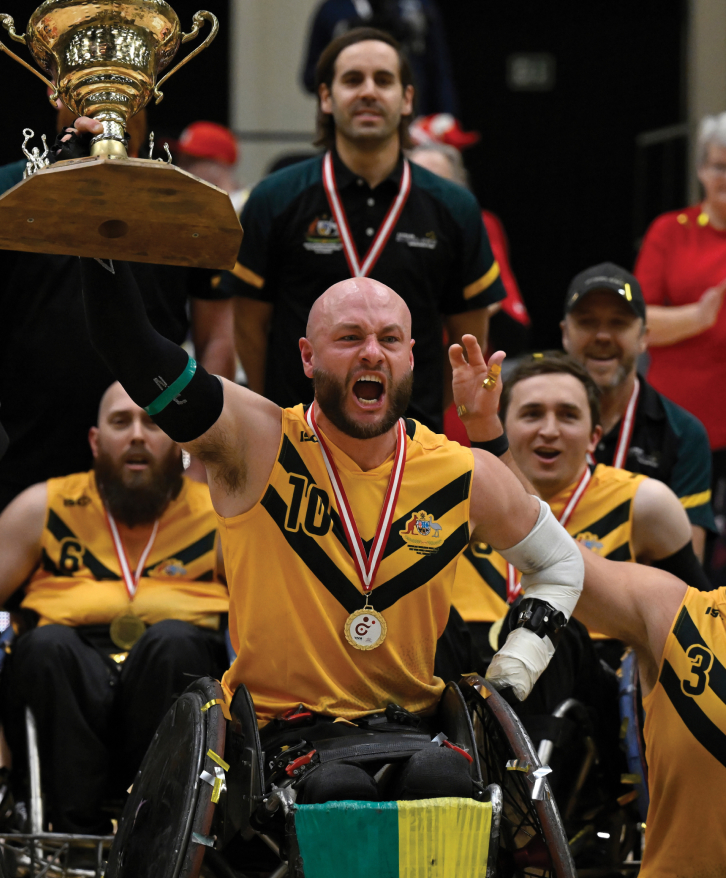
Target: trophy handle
point(7, 22)
point(197, 24)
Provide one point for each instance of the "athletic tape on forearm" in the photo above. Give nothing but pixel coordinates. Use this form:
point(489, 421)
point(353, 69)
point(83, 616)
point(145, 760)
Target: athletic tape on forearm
point(550, 562)
point(520, 662)
point(181, 396)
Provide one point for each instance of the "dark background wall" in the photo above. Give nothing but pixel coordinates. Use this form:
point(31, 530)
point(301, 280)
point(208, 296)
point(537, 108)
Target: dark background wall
point(200, 90)
point(559, 166)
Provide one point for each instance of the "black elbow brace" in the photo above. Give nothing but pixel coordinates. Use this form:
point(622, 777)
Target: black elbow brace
point(685, 565)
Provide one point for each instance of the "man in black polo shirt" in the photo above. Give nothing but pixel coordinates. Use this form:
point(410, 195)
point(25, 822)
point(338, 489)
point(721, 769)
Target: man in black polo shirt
point(643, 431)
point(360, 210)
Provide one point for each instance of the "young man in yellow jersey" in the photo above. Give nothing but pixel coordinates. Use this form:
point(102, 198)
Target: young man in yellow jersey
point(124, 579)
point(550, 410)
point(342, 524)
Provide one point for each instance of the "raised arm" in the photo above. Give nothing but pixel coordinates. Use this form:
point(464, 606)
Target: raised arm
point(233, 431)
point(21, 530)
point(632, 603)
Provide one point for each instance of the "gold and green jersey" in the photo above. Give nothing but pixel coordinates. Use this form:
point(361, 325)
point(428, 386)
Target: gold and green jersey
point(293, 582)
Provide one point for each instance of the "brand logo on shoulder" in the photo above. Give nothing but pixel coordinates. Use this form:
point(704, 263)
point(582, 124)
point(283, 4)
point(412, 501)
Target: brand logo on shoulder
point(322, 236)
point(170, 567)
point(422, 534)
point(307, 437)
point(591, 542)
point(81, 501)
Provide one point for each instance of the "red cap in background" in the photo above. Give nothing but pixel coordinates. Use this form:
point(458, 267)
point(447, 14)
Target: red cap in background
point(208, 140)
point(442, 128)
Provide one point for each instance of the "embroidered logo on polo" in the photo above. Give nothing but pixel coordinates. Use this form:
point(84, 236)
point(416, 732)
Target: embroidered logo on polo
point(322, 236)
point(591, 541)
point(428, 242)
point(422, 533)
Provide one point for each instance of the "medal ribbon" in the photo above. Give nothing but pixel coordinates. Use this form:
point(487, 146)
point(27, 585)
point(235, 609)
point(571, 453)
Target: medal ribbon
point(513, 586)
point(626, 428)
point(366, 565)
point(132, 581)
point(384, 232)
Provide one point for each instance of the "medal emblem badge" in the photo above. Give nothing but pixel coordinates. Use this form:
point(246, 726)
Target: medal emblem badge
point(365, 629)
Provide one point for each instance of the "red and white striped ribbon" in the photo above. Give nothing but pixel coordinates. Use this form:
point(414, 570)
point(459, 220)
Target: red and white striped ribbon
point(384, 232)
point(626, 428)
point(131, 580)
point(513, 585)
point(366, 565)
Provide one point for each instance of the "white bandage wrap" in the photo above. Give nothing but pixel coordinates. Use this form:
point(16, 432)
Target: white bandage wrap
point(553, 571)
point(520, 662)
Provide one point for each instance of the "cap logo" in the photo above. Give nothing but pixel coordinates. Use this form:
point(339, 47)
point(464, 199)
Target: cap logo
point(627, 293)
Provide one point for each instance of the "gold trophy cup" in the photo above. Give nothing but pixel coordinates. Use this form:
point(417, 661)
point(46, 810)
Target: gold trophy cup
point(103, 58)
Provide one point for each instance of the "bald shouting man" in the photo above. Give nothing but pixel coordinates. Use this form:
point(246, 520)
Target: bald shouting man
point(336, 601)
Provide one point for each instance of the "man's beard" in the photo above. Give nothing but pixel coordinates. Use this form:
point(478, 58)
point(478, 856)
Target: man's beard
point(330, 395)
point(141, 496)
point(618, 377)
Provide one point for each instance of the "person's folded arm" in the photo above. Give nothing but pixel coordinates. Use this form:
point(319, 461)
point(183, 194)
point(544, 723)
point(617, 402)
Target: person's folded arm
point(21, 532)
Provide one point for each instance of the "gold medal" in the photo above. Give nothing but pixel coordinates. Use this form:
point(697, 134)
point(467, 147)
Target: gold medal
point(125, 630)
point(365, 629)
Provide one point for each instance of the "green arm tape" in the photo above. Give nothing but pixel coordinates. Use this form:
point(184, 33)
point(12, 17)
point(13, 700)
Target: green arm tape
point(163, 400)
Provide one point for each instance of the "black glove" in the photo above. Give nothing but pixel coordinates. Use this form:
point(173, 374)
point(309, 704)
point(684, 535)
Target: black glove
point(78, 146)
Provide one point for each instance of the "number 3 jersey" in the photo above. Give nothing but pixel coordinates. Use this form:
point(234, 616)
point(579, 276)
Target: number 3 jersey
point(293, 582)
point(685, 740)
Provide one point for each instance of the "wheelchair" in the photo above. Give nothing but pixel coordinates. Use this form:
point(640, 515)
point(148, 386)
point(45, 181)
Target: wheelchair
point(602, 796)
point(207, 793)
point(35, 851)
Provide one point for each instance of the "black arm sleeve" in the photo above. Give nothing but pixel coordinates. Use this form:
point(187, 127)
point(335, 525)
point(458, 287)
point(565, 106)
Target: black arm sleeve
point(685, 566)
point(139, 357)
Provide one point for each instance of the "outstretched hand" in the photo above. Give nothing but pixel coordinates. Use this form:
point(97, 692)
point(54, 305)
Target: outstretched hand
point(477, 405)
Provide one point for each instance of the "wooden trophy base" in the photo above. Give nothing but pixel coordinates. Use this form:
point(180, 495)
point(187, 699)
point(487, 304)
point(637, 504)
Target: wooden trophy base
point(132, 209)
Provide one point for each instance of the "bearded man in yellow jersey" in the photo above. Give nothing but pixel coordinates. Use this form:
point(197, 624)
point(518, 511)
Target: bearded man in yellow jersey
point(124, 579)
point(342, 523)
point(550, 410)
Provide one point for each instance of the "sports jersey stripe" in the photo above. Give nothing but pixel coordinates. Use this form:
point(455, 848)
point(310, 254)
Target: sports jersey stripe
point(703, 729)
point(338, 584)
point(60, 530)
point(313, 555)
point(611, 520)
point(690, 501)
point(437, 504)
point(621, 553)
point(201, 547)
point(484, 282)
point(489, 573)
point(248, 276)
point(422, 571)
point(687, 634)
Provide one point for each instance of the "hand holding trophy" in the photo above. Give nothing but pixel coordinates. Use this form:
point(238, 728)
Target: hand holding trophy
point(103, 58)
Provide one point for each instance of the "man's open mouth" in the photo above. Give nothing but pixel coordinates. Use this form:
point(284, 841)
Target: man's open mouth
point(547, 454)
point(368, 390)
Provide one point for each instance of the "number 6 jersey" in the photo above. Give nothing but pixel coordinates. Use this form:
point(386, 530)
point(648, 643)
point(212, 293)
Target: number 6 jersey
point(293, 582)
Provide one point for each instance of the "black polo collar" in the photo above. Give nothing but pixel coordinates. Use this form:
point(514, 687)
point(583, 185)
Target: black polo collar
point(344, 177)
point(649, 403)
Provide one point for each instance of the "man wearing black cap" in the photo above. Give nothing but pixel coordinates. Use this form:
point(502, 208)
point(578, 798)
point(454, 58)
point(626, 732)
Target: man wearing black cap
point(643, 431)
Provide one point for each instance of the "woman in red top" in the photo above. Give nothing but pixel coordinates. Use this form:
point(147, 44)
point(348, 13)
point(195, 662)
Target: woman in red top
point(682, 271)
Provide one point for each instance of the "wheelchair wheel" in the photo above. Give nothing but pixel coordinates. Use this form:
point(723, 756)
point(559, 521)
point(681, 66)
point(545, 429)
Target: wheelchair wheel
point(164, 828)
point(532, 838)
